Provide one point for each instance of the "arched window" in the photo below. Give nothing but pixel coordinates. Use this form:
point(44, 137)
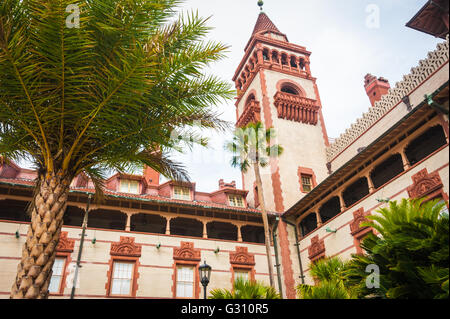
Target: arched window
point(293, 62)
point(308, 224)
point(14, 210)
point(219, 230)
point(356, 191)
point(250, 98)
point(275, 57)
point(148, 223)
point(107, 219)
point(284, 59)
point(330, 209)
point(186, 227)
point(286, 88)
point(253, 234)
point(266, 55)
point(425, 144)
point(73, 216)
point(387, 170)
point(302, 64)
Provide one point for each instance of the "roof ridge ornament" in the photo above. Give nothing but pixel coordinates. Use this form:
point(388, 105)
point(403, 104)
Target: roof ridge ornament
point(261, 4)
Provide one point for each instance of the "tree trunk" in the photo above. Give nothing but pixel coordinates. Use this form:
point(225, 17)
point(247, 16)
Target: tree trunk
point(39, 251)
point(265, 222)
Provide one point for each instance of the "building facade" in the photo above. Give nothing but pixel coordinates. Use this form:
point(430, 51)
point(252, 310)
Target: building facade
point(147, 239)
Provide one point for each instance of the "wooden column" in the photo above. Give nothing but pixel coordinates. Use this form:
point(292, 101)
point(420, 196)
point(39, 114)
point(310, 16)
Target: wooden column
point(205, 230)
point(239, 233)
point(128, 226)
point(168, 225)
point(319, 219)
point(341, 200)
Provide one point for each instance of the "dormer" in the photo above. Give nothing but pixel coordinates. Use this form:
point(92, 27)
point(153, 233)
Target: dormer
point(126, 183)
point(229, 195)
point(177, 190)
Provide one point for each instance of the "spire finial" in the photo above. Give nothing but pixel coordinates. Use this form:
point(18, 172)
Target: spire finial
point(260, 4)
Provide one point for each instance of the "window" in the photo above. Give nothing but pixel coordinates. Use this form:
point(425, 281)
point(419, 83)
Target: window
point(182, 193)
point(185, 282)
point(307, 183)
point(241, 274)
point(129, 186)
point(236, 201)
point(122, 278)
point(57, 275)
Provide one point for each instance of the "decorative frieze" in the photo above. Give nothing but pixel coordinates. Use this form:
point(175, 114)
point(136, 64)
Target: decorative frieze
point(126, 247)
point(242, 257)
point(65, 244)
point(424, 184)
point(410, 82)
point(317, 249)
point(187, 252)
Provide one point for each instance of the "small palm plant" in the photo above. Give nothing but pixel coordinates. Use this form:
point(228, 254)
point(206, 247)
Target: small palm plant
point(244, 289)
point(411, 253)
point(329, 275)
point(252, 147)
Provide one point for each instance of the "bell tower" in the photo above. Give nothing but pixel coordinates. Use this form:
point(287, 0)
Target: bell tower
point(275, 86)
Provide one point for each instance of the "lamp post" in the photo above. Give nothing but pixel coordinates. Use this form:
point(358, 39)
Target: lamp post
point(205, 274)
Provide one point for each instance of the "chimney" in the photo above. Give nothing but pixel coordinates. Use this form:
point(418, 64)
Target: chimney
point(151, 176)
point(375, 88)
point(223, 185)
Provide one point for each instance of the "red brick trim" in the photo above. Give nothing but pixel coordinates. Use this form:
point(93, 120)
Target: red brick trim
point(186, 255)
point(65, 245)
point(124, 251)
point(242, 260)
point(307, 172)
point(67, 260)
point(288, 272)
point(357, 231)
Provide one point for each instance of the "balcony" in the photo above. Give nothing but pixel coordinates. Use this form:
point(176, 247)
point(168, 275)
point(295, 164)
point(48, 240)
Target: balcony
point(296, 108)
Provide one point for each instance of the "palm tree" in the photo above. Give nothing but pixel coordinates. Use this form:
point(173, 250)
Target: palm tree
point(244, 289)
point(412, 252)
point(331, 282)
point(103, 94)
point(252, 146)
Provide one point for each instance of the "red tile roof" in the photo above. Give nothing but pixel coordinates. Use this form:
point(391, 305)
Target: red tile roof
point(264, 24)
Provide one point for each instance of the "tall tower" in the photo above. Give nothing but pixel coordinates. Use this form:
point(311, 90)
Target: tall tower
point(275, 86)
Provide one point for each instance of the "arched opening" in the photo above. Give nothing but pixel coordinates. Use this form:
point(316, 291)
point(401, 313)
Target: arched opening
point(148, 223)
point(275, 57)
point(308, 224)
point(356, 191)
point(284, 59)
point(426, 144)
point(14, 210)
point(253, 234)
point(293, 62)
point(250, 98)
point(74, 216)
point(107, 219)
point(330, 209)
point(302, 64)
point(286, 88)
point(266, 55)
point(225, 231)
point(387, 170)
point(186, 227)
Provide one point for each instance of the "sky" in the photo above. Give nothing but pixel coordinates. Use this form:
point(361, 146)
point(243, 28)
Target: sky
point(347, 38)
point(347, 41)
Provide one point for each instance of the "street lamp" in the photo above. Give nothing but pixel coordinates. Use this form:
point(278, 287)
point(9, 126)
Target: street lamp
point(205, 274)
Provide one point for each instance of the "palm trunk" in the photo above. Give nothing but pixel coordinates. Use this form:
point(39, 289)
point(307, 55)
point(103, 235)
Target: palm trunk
point(39, 251)
point(265, 222)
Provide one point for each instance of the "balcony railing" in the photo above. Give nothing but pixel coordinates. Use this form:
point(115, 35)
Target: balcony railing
point(251, 114)
point(296, 108)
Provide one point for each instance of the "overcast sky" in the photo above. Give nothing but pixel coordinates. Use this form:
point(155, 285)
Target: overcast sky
point(345, 42)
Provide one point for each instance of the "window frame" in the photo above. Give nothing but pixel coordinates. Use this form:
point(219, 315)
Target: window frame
point(194, 270)
point(114, 263)
point(129, 182)
point(185, 197)
point(186, 263)
point(237, 197)
point(135, 274)
point(62, 283)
